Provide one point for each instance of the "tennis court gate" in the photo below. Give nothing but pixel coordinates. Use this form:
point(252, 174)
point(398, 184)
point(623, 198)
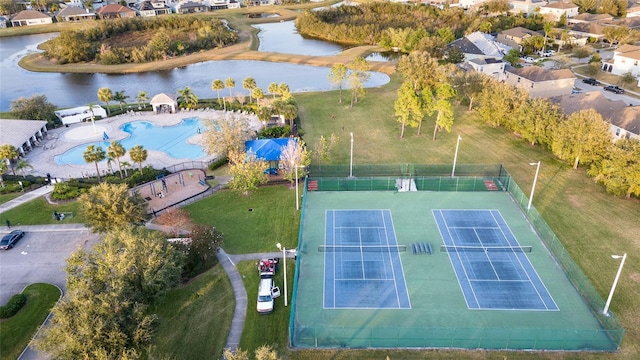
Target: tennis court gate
point(426, 177)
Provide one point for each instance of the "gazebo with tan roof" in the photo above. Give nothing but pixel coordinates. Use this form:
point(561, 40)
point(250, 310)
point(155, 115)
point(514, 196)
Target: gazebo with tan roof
point(163, 103)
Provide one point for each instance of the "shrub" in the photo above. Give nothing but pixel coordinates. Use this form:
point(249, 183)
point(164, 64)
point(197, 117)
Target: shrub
point(65, 191)
point(275, 132)
point(218, 163)
point(12, 307)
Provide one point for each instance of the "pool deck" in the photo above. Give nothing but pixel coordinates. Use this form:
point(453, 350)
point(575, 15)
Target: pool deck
point(59, 140)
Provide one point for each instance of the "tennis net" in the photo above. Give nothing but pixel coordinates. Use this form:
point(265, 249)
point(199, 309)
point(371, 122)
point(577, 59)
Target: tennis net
point(504, 249)
point(363, 248)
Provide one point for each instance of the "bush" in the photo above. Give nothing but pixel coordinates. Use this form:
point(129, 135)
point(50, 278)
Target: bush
point(149, 174)
point(218, 163)
point(275, 132)
point(65, 191)
point(12, 307)
point(10, 187)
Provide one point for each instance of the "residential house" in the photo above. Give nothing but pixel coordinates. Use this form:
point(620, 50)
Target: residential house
point(480, 45)
point(625, 120)
point(589, 18)
point(30, 18)
point(633, 10)
point(570, 39)
point(223, 4)
point(75, 13)
point(527, 7)
point(191, 7)
point(441, 4)
point(515, 37)
point(153, 8)
point(471, 4)
point(591, 30)
point(625, 59)
point(554, 11)
point(115, 11)
point(539, 82)
point(489, 66)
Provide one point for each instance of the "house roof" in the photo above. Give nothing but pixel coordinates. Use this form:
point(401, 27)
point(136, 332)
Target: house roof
point(192, 4)
point(162, 98)
point(30, 14)
point(267, 149)
point(17, 132)
point(519, 32)
point(628, 51)
point(480, 44)
point(538, 74)
point(615, 111)
point(74, 10)
point(587, 28)
point(114, 8)
point(561, 5)
point(592, 17)
point(485, 61)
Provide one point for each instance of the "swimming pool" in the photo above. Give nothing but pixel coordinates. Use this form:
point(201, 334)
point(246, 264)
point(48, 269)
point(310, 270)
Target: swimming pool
point(169, 139)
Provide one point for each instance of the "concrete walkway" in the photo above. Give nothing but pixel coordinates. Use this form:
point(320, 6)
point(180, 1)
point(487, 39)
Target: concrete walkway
point(25, 198)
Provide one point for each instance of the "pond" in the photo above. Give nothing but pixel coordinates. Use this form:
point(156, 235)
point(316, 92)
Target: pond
point(68, 90)
point(282, 37)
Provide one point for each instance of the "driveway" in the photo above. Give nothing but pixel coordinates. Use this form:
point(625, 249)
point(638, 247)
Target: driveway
point(40, 256)
point(582, 87)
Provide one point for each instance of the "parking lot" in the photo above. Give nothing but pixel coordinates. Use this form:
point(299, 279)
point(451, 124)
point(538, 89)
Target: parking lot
point(40, 256)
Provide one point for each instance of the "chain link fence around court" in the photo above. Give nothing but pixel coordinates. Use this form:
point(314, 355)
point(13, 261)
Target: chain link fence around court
point(419, 177)
point(438, 178)
point(579, 280)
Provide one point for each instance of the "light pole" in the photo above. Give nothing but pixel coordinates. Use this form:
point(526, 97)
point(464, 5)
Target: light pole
point(533, 188)
point(351, 161)
point(615, 282)
point(284, 259)
point(297, 194)
point(455, 157)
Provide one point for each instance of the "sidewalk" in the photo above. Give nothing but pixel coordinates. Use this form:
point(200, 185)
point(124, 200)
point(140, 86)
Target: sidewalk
point(25, 198)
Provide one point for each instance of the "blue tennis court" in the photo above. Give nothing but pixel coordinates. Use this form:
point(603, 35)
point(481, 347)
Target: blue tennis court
point(492, 268)
point(362, 266)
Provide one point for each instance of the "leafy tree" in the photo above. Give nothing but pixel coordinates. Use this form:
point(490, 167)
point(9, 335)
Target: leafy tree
point(616, 34)
point(138, 154)
point(337, 75)
point(107, 206)
point(103, 315)
point(444, 108)
point(583, 138)
point(468, 84)
point(324, 147)
point(513, 57)
point(499, 102)
point(608, 7)
point(121, 98)
point(248, 172)
point(231, 135)
point(36, 107)
point(358, 75)
point(408, 107)
point(205, 242)
point(230, 83)
point(419, 69)
point(293, 154)
point(628, 79)
point(141, 98)
point(177, 219)
point(538, 120)
point(105, 95)
point(94, 155)
point(3, 169)
point(249, 84)
point(586, 5)
point(264, 352)
point(216, 86)
point(70, 46)
point(9, 153)
point(115, 151)
point(187, 99)
point(619, 170)
point(454, 55)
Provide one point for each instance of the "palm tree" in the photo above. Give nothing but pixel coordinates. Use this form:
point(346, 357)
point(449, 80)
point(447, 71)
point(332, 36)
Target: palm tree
point(94, 155)
point(22, 165)
point(9, 153)
point(230, 83)
point(187, 98)
point(257, 94)
point(549, 31)
point(116, 151)
point(218, 85)
point(141, 98)
point(105, 95)
point(125, 166)
point(121, 98)
point(138, 154)
point(3, 168)
point(249, 83)
point(273, 89)
point(290, 111)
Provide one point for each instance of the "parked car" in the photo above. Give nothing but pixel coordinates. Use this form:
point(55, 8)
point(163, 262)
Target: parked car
point(614, 89)
point(546, 53)
point(591, 81)
point(266, 293)
point(529, 59)
point(8, 241)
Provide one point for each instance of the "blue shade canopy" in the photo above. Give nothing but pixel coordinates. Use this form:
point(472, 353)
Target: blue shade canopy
point(267, 149)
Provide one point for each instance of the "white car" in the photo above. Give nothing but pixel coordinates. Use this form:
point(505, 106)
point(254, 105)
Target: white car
point(266, 293)
point(529, 59)
point(547, 53)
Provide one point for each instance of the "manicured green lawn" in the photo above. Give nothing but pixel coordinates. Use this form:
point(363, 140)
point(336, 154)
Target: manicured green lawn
point(273, 218)
point(17, 331)
point(7, 197)
point(39, 211)
point(194, 320)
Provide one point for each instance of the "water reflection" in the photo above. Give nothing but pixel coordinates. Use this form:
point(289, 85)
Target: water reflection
point(385, 56)
point(67, 90)
point(282, 37)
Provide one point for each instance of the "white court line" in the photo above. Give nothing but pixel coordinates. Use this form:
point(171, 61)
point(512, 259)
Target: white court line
point(487, 255)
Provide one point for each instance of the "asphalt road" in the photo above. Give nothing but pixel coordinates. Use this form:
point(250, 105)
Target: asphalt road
point(629, 100)
point(40, 256)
